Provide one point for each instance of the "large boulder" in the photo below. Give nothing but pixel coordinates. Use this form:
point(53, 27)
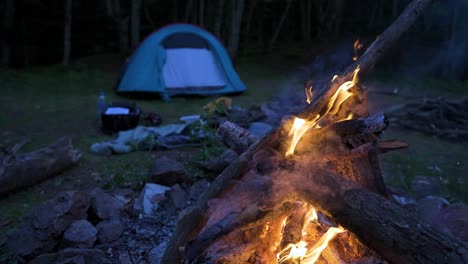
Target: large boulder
point(80, 234)
point(42, 228)
point(104, 205)
point(167, 171)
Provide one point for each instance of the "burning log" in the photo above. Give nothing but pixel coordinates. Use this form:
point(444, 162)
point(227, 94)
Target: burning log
point(24, 170)
point(242, 216)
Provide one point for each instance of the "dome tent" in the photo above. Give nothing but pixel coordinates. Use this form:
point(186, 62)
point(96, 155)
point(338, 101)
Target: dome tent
point(180, 59)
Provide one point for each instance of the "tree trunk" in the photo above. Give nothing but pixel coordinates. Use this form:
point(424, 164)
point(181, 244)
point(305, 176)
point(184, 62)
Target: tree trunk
point(248, 23)
point(188, 11)
point(24, 170)
point(306, 13)
point(280, 25)
point(339, 8)
point(219, 18)
point(237, 9)
point(201, 13)
point(253, 191)
point(175, 11)
point(135, 18)
point(67, 33)
point(148, 15)
point(7, 24)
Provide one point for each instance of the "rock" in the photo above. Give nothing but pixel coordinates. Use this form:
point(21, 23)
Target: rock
point(400, 196)
point(259, 129)
point(109, 231)
point(104, 205)
point(178, 196)
point(218, 164)
point(149, 198)
point(71, 255)
point(422, 186)
point(428, 208)
point(453, 219)
point(156, 254)
point(198, 188)
point(41, 229)
point(80, 234)
point(167, 172)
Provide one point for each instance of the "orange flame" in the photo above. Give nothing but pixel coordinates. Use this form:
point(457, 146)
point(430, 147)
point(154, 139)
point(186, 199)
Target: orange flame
point(308, 91)
point(357, 46)
point(302, 251)
point(300, 126)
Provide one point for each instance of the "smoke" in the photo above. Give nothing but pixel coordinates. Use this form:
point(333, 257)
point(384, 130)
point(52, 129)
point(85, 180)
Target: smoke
point(291, 99)
point(439, 47)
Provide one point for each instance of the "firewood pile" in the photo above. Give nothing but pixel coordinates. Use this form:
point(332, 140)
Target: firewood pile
point(439, 116)
point(314, 178)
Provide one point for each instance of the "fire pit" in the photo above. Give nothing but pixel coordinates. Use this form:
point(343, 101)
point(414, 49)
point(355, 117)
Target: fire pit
point(311, 190)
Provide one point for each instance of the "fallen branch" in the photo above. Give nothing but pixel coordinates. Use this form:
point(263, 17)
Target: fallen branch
point(24, 170)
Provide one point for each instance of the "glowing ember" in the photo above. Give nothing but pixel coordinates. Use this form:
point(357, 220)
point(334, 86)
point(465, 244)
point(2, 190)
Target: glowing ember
point(300, 126)
point(308, 91)
point(357, 46)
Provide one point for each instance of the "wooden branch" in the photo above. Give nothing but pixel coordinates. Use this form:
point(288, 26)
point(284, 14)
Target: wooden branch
point(194, 220)
point(27, 169)
point(372, 55)
point(235, 137)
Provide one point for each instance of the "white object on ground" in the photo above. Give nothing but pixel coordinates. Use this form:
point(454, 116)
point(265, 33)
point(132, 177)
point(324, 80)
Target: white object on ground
point(117, 111)
point(147, 201)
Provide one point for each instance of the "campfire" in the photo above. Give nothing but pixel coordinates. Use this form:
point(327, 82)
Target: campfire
point(311, 191)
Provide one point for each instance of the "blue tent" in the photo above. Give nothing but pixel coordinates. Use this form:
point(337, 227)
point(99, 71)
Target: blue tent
point(180, 59)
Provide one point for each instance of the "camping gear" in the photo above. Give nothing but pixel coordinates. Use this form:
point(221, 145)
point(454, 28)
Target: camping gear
point(120, 116)
point(180, 59)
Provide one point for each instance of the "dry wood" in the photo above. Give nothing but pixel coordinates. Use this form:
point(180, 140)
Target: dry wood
point(24, 170)
point(352, 150)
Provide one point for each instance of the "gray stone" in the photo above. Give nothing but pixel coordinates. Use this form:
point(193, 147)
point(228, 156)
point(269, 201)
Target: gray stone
point(178, 196)
point(422, 186)
point(104, 205)
point(218, 164)
point(42, 228)
point(428, 208)
point(150, 197)
point(71, 255)
point(259, 129)
point(198, 188)
point(167, 171)
point(109, 231)
point(156, 254)
point(453, 219)
point(80, 234)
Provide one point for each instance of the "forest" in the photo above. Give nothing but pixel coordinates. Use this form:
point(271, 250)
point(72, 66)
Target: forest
point(233, 131)
point(49, 32)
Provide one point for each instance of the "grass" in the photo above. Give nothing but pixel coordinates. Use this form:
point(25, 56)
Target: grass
point(430, 157)
point(44, 104)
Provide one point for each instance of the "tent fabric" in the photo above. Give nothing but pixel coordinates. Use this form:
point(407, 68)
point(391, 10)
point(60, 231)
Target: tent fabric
point(192, 68)
point(201, 71)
